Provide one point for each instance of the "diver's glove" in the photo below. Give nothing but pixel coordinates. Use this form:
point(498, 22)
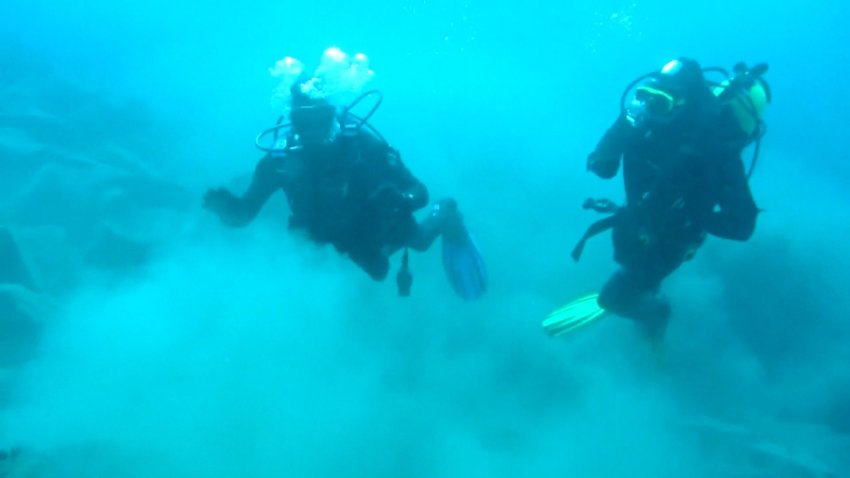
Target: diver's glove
point(222, 203)
point(605, 206)
point(604, 166)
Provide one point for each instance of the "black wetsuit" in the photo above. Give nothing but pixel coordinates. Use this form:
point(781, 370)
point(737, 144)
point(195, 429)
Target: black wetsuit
point(682, 180)
point(354, 193)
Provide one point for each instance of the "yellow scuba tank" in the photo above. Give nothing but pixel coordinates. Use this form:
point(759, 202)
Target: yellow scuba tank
point(748, 105)
point(747, 94)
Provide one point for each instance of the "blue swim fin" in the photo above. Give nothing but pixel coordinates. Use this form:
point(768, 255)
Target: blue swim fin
point(463, 264)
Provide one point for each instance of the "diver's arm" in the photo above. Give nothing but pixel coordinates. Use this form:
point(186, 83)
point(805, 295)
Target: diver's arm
point(397, 188)
point(413, 191)
point(604, 161)
point(735, 215)
point(236, 211)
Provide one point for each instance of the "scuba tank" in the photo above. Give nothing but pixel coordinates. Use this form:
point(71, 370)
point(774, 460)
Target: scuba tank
point(747, 94)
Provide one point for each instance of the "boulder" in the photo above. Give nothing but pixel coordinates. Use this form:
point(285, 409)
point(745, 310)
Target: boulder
point(12, 267)
point(22, 317)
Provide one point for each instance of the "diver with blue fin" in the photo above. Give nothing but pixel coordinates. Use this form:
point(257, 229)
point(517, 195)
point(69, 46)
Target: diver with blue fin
point(680, 139)
point(346, 186)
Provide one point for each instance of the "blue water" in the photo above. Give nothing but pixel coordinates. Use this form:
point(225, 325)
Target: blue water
point(252, 353)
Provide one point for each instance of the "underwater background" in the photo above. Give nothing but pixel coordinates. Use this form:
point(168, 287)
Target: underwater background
point(139, 337)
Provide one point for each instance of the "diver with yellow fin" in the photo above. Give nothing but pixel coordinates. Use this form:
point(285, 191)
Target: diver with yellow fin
point(680, 139)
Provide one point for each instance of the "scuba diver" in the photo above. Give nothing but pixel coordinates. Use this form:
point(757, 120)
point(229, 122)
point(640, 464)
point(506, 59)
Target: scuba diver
point(680, 141)
point(346, 186)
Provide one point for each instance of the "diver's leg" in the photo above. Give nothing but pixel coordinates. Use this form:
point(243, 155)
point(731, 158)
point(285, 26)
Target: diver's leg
point(373, 263)
point(633, 291)
point(462, 262)
point(635, 295)
point(445, 219)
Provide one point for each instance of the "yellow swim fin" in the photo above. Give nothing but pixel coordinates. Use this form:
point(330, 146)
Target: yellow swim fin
point(576, 314)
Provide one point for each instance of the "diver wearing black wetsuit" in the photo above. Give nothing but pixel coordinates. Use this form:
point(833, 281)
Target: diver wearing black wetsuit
point(683, 177)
